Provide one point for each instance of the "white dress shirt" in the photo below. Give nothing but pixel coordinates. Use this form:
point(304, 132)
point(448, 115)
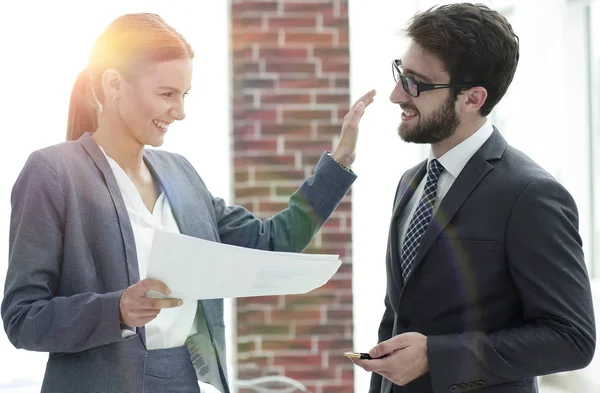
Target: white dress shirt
point(172, 326)
point(453, 161)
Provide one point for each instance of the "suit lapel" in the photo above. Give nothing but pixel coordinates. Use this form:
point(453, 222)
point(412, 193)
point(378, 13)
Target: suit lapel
point(159, 172)
point(476, 169)
point(407, 187)
point(123, 217)
point(133, 272)
point(190, 212)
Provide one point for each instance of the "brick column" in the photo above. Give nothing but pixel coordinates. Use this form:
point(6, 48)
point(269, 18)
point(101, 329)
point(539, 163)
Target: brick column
point(291, 92)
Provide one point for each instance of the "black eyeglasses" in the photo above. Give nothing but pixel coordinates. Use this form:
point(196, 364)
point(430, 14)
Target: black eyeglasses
point(414, 88)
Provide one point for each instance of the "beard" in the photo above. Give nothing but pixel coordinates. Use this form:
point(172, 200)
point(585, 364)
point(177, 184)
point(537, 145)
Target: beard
point(438, 126)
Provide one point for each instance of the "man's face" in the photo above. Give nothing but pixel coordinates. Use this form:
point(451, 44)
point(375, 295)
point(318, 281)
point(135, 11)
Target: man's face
point(431, 117)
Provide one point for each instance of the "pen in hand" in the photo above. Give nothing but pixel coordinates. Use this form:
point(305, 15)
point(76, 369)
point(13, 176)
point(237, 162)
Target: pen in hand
point(358, 355)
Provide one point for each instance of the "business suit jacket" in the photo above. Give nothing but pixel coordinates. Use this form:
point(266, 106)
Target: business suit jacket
point(499, 284)
point(72, 254)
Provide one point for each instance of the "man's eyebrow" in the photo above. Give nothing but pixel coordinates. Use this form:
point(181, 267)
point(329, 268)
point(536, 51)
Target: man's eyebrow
point(424, 78)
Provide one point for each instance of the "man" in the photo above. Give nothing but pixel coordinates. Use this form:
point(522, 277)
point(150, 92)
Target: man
point(486, 282)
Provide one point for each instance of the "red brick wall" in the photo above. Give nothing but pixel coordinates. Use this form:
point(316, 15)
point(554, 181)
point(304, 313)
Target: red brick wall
point(290, 94)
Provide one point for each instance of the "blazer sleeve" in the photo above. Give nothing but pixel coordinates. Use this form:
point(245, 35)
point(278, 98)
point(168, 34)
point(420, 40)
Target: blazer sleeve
point(35, 317)
point(545, 259)
point(293, 228)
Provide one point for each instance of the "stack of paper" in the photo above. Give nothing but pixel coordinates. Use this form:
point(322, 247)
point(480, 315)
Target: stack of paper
point(197, 269)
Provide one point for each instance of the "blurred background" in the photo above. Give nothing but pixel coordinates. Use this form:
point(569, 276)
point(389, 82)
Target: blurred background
point(272, 82)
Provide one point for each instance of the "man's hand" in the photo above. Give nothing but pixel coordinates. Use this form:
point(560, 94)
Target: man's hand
point(137, 310)
point(345, 150)
point(403, 358)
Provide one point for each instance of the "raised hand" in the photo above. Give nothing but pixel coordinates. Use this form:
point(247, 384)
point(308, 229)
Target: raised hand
point(345, 150)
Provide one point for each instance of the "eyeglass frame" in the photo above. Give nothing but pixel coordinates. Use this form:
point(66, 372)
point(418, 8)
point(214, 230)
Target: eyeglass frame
point(421, 86)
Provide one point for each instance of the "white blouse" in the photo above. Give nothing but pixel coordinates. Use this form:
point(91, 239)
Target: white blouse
point(172, 326)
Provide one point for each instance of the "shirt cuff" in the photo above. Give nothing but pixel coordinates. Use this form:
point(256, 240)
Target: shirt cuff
point(127, 331)
point(339, 163)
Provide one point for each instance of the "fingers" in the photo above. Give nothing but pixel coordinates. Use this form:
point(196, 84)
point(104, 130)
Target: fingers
point(345, 150)
point(358, 109)
point(360, 363)
point(374, 365)
point(138, 318)
point(366, 99)
point(137, 310)
point(150, 313)
point(395, 343)
point(381, 349)
point(140, 313)
point(353, 117)
point(158, 304)
point(148, 284)
point(363, 363)
point(145, 320)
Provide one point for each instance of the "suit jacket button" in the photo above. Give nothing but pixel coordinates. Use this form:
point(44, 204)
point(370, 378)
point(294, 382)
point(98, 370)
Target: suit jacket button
point(453, 389)
point(479, 384)
point(471, 385)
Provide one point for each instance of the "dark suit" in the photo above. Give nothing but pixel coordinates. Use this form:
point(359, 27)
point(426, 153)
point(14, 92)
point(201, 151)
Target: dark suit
point(499, 284)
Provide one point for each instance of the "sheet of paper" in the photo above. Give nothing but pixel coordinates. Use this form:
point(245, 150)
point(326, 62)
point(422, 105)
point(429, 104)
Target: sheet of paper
point(199, 269)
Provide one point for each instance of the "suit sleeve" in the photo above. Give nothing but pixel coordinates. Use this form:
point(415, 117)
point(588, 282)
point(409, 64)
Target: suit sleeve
point(545, 259)
point(293, 228)
point(386, 327)
point(35, 317)
point(385, 333)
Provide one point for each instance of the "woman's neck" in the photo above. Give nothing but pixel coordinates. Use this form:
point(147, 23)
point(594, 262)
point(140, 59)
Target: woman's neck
point(121, 146)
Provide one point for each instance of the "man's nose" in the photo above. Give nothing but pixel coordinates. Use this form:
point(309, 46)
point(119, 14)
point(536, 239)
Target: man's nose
point(399, 95)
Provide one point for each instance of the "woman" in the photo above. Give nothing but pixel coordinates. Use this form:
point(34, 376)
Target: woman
point(83, 215)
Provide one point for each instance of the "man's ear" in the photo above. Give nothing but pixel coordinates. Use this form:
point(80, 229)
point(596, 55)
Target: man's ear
point(474, 98)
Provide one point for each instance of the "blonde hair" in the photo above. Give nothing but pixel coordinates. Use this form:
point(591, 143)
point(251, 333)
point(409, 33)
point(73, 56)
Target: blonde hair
point(128, 43)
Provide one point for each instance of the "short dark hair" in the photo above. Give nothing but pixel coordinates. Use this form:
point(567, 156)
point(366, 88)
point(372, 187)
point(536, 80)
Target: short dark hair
point(476, 45)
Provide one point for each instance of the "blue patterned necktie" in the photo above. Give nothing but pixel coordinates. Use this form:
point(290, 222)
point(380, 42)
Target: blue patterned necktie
point(420, 220)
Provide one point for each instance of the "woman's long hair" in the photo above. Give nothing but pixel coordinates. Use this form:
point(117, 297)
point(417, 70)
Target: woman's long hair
point(128, 43)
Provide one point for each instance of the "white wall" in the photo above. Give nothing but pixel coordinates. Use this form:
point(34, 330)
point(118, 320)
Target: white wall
point(544, 114)
point(45, 44)
point(375, 41)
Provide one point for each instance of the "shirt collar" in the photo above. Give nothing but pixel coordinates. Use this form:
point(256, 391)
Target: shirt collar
point(113, 164)
point(455, 159)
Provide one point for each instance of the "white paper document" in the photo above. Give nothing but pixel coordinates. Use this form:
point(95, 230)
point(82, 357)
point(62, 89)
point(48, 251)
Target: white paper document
point(197, 269)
